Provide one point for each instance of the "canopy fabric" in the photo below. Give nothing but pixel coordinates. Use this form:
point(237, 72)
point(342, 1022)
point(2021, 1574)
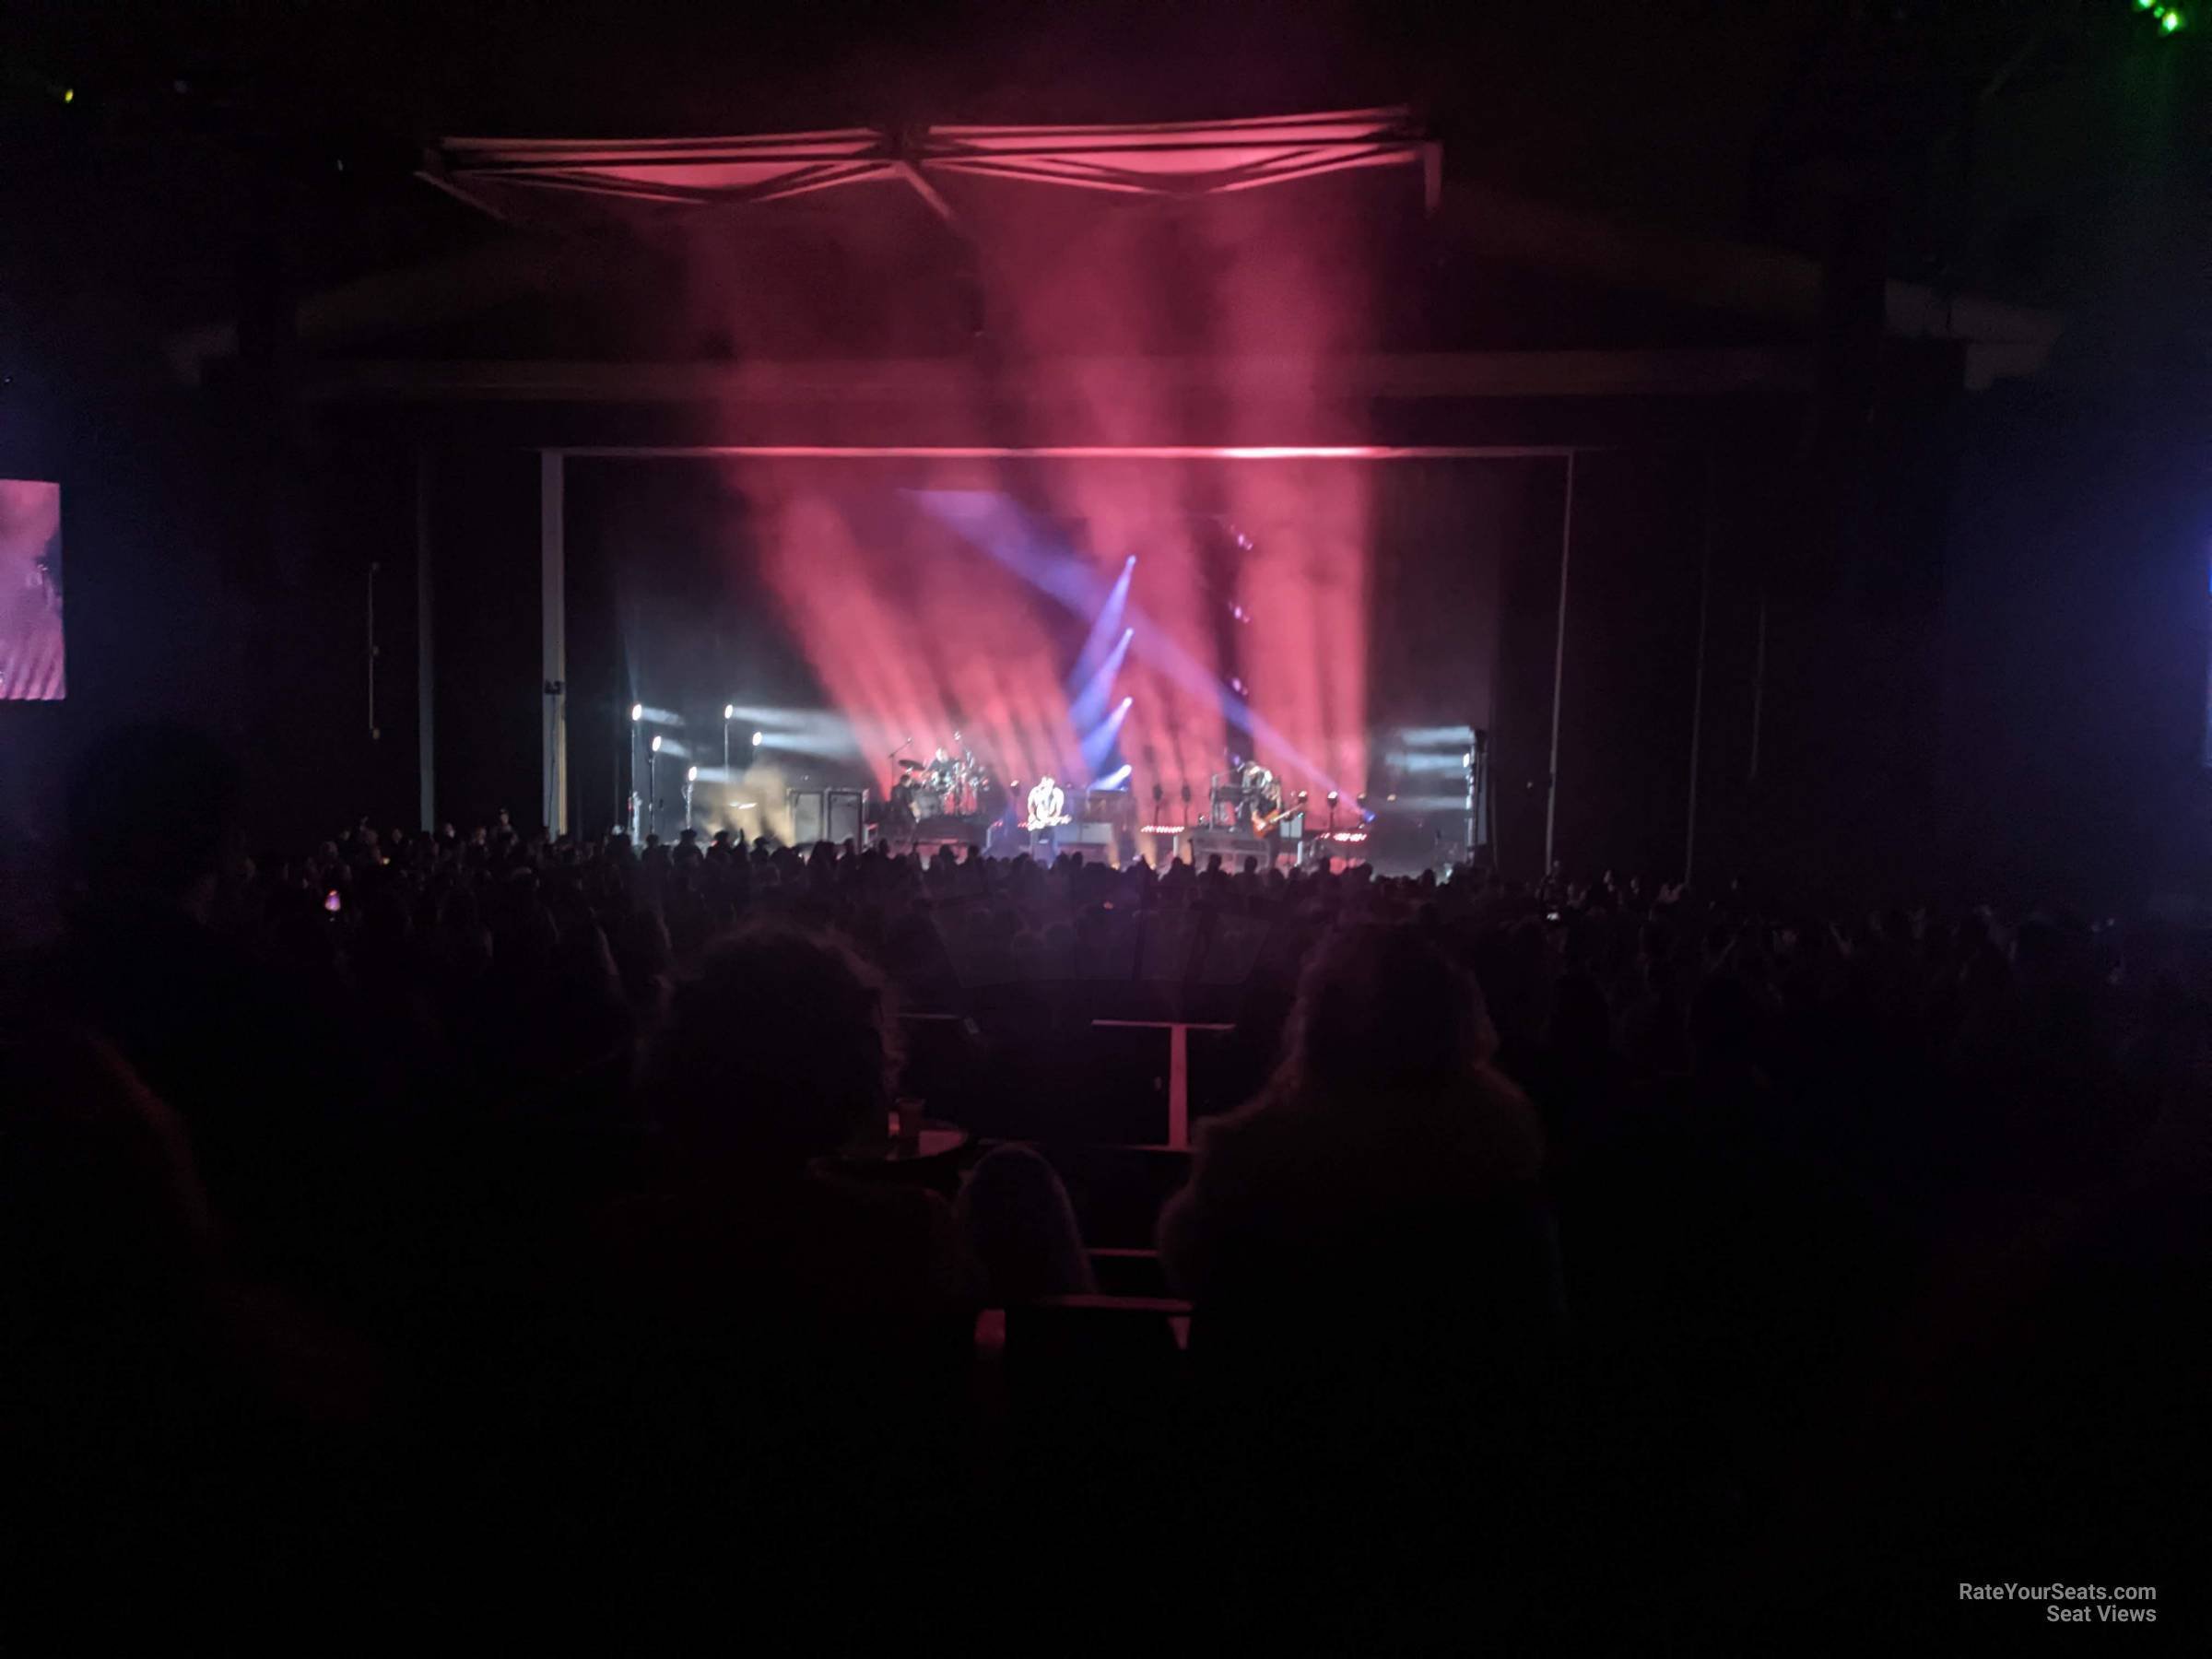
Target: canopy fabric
point(519, 177)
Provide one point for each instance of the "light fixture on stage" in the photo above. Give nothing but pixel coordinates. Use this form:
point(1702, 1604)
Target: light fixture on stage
point(637, 802)
point(759, 738)
point(690, 777)
point(657, 743)
point(729, 712)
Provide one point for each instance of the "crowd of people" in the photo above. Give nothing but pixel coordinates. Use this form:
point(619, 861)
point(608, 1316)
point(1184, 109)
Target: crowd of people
point(443, 1216)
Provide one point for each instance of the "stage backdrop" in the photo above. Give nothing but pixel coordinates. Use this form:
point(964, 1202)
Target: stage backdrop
point(1348, 623)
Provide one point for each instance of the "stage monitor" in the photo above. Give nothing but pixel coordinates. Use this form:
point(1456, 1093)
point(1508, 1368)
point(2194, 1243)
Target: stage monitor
point(30, 591)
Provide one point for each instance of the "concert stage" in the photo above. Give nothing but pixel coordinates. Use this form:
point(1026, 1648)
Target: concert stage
point(1107, 453)
point(934, 638)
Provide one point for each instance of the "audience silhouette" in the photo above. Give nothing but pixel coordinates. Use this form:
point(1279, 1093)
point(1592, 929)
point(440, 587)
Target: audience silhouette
point(429, 1216)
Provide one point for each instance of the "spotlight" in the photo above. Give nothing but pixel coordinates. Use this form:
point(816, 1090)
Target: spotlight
point(759, 738)
point(691, 774)
point(1332, 797)
point(1302, 797)
point(1132, 561)
point(1128, 701)
point(637, 712)
point(657, 743)
point(1128, 633)
point(729, 710)
point(1362, 800)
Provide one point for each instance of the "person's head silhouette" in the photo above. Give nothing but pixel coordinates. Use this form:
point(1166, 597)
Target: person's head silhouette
point(778, 1050)
point(1382, 1009)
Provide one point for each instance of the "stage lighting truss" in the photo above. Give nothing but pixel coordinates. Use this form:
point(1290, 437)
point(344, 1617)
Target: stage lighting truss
point(512, 178)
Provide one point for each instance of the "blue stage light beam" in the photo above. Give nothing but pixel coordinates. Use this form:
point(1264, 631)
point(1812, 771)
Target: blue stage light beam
point(1097, 743)
point(1116, 779)
point(994, 524)
point(1106, 636)
point(1089, 705)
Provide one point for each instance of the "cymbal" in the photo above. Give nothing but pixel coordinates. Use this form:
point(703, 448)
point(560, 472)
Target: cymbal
point(906, 765)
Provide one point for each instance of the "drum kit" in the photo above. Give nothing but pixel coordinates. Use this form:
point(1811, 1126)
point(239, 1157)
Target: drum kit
point(942, 786)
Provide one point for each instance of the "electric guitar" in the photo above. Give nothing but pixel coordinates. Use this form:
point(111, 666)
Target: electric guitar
point(1049, 813)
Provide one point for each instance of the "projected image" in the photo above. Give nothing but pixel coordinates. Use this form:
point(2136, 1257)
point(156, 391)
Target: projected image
point(30, 591)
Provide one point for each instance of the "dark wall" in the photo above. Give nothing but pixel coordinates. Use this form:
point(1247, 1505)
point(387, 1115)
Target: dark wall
point(1625, 712)
point(330, 737)
point(1627, 694)
point(1522, 683)
point(2077, 622)
point(487, 641)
